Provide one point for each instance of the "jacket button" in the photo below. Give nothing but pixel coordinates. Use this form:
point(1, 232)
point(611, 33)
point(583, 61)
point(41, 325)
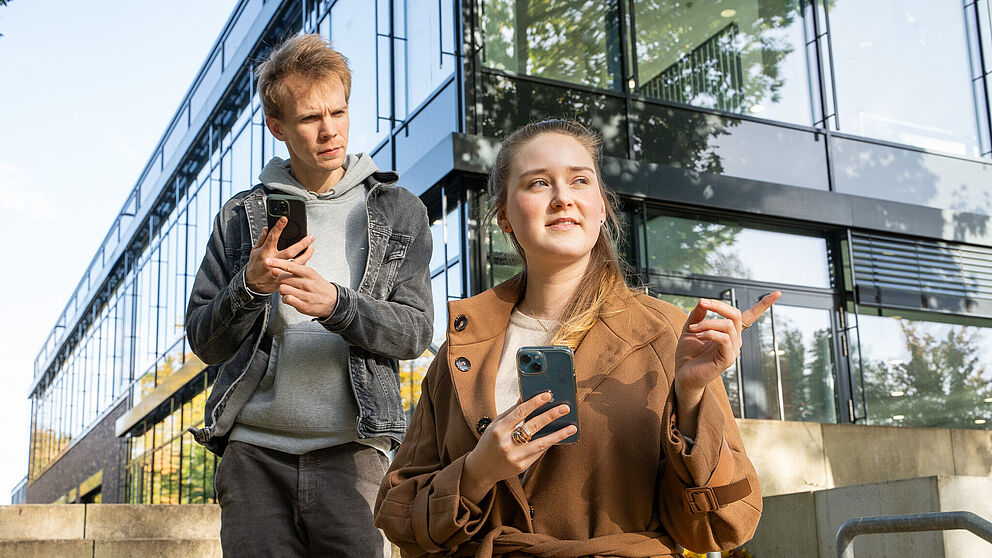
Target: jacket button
point(460, 322)
point(463, 364)
point(532, 512)
point(483, 424)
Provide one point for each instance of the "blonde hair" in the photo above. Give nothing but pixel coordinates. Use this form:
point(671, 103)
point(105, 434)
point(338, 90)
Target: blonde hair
point(606, 269)
point(308, 56)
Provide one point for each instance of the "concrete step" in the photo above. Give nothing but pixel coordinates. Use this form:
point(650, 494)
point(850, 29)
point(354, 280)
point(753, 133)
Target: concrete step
point(157, 548)
point(127, 521)
point(135, 548)
point(71, 548)
point(41, 522)
point(805, 523)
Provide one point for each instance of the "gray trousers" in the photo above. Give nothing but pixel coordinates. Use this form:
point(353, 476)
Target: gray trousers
point(316, 504)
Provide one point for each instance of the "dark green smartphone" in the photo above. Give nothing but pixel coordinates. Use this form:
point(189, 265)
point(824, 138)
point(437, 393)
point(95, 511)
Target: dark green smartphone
point(541, 369)
point(293, 208)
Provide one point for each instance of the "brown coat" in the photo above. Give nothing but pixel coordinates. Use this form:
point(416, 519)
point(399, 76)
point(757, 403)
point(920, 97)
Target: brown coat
point(618, 492)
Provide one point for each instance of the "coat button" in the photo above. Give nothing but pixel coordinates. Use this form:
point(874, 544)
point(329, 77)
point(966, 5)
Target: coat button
point(483, 424)
point(532, 512)
point(460, 322)
point(463, 364)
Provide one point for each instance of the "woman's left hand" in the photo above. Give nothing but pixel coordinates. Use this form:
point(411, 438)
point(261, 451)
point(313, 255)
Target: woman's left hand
point(707, 347)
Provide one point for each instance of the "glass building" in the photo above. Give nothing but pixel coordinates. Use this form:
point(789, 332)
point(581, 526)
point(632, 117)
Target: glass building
point(837, 151)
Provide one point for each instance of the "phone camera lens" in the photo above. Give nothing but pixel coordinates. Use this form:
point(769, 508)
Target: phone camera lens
point(282, 207)
point(525, 359)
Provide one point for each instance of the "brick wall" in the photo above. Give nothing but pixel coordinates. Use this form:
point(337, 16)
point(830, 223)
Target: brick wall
point(99, 449)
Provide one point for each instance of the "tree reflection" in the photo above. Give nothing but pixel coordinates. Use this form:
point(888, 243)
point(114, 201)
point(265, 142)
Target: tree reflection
point(724, 55)
point(569, 40)
point(944, 384)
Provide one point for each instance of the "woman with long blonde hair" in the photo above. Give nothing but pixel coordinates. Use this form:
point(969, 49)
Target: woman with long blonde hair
point(659, 462)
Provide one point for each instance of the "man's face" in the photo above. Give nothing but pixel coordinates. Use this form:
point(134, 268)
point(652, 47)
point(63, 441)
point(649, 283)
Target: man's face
point(314, 124)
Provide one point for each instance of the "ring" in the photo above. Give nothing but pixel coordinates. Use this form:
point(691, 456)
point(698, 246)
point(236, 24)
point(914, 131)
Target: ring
point(745, 326)
point(520, 434)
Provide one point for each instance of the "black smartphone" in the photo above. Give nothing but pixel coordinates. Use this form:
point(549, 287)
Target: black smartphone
point(541, 369)
point(293, 208)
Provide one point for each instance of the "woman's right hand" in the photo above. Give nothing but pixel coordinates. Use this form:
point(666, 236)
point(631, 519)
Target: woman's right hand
point(497, 457)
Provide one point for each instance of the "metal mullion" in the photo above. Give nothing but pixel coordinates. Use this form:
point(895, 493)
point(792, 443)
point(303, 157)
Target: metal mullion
point(855, 299)
point(982, 74)
point(625, 74)
point(830, 61)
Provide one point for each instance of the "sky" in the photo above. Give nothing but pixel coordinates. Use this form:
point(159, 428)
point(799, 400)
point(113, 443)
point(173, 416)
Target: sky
point(86, 91)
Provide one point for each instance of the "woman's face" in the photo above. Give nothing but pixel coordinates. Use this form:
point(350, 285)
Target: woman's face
point(554, 207)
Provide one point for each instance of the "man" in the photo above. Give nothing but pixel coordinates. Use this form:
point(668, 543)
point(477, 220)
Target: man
point(306, 402)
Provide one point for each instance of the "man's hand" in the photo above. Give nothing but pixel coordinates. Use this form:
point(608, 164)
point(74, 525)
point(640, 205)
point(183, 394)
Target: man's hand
point(258, 276)
point(302, 287)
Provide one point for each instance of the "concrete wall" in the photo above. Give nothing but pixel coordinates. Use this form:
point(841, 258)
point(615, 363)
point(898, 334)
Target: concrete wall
point(805, 524)
point(804, 456)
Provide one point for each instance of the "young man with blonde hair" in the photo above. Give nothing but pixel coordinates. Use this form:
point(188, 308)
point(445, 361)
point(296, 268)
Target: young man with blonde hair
point(306, 402)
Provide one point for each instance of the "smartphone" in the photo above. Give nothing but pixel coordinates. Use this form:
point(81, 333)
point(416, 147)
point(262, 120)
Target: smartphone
point(294, 208)
point(541, 369)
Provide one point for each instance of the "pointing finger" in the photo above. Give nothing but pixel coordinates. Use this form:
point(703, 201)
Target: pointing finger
point(752, 314)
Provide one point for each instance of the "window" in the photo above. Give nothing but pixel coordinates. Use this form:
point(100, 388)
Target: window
point(742, 56)
point(881, 49)
point(571, 40)
point(926, 371)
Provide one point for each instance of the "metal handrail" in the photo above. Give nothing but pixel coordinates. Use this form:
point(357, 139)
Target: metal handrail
point(941, 521)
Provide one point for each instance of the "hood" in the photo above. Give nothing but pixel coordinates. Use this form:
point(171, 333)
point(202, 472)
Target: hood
point(277, 175)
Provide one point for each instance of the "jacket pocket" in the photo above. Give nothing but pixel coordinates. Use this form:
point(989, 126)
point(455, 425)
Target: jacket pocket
point(392, 260)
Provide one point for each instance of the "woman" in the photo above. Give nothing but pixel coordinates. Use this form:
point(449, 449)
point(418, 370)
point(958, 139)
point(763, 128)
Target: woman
point(659, 461)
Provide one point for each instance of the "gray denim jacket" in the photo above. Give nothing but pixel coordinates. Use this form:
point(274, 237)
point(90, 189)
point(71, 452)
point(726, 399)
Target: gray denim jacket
point(389, 317)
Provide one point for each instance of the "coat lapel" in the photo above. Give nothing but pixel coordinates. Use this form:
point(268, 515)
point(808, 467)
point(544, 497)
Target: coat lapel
point(474, 349)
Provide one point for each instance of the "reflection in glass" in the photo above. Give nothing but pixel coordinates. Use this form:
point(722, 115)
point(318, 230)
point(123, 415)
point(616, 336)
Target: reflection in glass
point(797, 364)
point(508, 103)
point(502, 261)
point(926, 374)
point(687, 246)
point(743, 56)
point(570, 40)
point(890, 173)
point(881, 48)
point(701, 142)
point(730, 382)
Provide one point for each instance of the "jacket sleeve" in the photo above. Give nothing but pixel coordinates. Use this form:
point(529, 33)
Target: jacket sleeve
point(419, 506)
point(715, 460)
point(221, 312)
point(400, 326)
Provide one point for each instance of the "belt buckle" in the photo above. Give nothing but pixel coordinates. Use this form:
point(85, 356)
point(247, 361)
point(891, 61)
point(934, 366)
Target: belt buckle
point(701, 499)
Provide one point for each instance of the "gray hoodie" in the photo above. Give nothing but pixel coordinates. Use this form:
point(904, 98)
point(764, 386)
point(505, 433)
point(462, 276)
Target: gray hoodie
point(305, 400)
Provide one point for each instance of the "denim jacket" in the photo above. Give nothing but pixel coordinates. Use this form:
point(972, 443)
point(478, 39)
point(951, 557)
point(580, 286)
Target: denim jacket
point(389, 317)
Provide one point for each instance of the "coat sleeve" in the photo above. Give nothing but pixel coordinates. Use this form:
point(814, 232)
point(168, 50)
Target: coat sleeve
point(715, 460)
point(419, 506)
point(221, 313)
point(401, 326)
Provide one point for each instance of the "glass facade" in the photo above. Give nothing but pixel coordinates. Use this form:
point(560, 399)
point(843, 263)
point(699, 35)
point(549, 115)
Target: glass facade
point(803, 99)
